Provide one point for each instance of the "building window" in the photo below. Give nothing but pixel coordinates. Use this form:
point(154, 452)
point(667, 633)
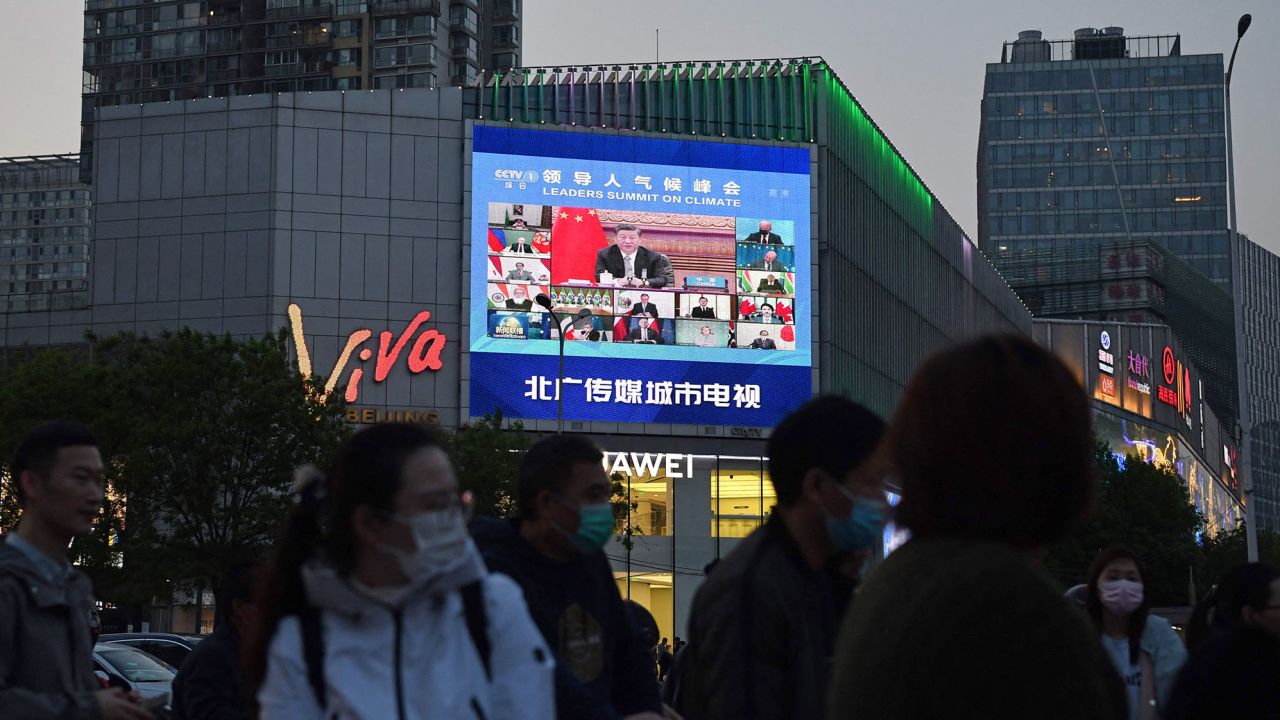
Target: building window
point(741, 498)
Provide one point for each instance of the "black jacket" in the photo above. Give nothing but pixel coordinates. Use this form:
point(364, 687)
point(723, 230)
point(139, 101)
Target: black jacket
point(209, 685)
point(654, 266)
point(762, 634)
point(603, 670)
point(766, 238)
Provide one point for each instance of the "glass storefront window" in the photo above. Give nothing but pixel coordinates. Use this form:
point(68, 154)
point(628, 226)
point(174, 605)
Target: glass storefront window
point(741, 497)
point(651, 499)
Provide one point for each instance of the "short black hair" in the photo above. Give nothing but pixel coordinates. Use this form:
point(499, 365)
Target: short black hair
point(626, 226)
point(766, 305)
point(547, 464)
point(39, 449)
point(830, 432)
point(239, 583)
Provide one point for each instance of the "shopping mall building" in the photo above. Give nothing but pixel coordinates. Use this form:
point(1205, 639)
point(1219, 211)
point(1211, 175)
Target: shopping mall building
point(402, 235)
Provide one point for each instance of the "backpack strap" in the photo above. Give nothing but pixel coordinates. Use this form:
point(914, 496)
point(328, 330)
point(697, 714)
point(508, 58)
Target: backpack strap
point(313, 651)
point(477, 623)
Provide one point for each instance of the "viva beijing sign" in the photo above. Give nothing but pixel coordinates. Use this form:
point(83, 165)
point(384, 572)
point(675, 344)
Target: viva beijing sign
point(424, 353)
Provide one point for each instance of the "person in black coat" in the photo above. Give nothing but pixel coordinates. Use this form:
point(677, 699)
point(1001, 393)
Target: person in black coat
point(647, 268)
point(703, 311)
point(765, 235)
point(209, 685)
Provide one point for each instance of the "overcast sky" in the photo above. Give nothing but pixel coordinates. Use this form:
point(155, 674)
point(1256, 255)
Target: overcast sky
point(917, 67)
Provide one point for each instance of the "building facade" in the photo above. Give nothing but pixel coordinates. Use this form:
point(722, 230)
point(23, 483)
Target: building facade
point(141, 52)
point(373, 225)
point(1149, 401)
point(45, 217)
point(1260, 295)
point(1099, 138)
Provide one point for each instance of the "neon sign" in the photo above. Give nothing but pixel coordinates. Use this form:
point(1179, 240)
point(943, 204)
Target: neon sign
point(673, 465)
point(1139, 367)
point(423, 356)
point(1106, 360)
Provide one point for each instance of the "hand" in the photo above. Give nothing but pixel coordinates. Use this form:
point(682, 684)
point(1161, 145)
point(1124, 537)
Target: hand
point(637, 282)
point(116, 704)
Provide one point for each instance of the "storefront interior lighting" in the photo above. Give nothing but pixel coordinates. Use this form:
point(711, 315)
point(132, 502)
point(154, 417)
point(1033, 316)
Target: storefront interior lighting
point(1186, 198)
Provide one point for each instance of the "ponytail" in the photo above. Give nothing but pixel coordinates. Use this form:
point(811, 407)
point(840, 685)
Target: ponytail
point(281, 594)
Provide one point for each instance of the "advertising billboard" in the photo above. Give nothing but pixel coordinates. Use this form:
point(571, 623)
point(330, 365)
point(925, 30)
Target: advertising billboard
point(679, 271)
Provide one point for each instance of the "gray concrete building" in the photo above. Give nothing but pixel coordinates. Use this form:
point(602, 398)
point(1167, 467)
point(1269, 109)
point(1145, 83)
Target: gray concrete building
point(1260, 295)
point(45, 214)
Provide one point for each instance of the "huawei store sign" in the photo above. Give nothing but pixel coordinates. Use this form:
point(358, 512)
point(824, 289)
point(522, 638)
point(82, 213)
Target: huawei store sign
point(423, 352)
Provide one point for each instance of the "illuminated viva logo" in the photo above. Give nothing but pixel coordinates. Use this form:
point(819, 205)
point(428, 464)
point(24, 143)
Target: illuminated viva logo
point(423, 355)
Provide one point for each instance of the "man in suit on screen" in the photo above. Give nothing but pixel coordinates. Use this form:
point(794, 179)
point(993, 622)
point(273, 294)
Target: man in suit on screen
point(765, 235)
point(770, 285)
point(631, 264)
point(704, 310)
point(520, 274)
point(764, 342)
point(645, 332)
point(768, 262)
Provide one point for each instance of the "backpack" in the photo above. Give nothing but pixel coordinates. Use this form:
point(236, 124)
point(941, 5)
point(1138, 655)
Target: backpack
point(313, 637)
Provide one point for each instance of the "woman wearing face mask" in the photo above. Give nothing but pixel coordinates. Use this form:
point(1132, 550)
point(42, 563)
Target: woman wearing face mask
point(1144, 649)
point(377, 604)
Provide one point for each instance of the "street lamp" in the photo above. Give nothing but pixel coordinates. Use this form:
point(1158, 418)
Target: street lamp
point(1243, 468)
point(545, 302)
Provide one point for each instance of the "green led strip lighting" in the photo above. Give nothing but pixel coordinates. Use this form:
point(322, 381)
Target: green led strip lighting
point(861, 144)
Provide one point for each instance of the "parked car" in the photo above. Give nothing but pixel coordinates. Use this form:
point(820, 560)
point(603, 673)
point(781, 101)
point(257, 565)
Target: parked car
point(169, 647)
point(132, 669)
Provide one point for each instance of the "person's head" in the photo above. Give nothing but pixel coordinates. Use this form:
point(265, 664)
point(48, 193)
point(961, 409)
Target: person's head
point(766, 226)
point(1115, 587)
point(706, 330)
point(773, 278)
point(236, 600)
point(519, 293)
point(1033, 478)
point(771, 256)
point(644, 298)
point(519, 266)
point(645, 321)
point(57, 478)
point(628, 237)
point(1247, 595)
point(764, 333)
point(388, 511)
point(702, 301)
point(818, 464)
point(766, 310)
point(645, 623)
point(561, 485)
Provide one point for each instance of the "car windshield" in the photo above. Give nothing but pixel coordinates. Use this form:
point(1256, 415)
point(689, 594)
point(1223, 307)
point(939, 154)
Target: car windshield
point(135, 665)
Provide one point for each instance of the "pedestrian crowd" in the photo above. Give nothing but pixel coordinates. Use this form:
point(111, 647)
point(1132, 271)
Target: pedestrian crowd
point(384, 598)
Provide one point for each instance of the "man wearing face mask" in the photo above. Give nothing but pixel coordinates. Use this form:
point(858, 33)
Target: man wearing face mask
point(554, 551)
point(764, 624)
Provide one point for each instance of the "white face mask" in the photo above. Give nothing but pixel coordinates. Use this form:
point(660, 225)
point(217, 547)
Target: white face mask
point(440, 537)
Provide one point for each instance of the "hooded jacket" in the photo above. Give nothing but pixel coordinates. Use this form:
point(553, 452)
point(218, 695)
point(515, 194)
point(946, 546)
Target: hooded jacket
point(603, 670)
point(412, 661)
point(46, 662)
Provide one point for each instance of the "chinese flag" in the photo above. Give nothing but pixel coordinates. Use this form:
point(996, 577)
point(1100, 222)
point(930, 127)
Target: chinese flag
point(577, 237)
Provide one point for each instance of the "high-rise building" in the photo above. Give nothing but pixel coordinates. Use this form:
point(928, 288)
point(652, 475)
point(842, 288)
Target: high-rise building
point(44, 234)
point(139, 51)
point(1260, 295)
point(1100, 138)
point(1102, 188)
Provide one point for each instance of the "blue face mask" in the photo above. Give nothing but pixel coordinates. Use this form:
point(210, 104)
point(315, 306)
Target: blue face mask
point(860, 529)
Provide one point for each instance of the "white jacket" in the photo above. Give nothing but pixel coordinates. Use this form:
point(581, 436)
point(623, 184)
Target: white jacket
point(440, 669)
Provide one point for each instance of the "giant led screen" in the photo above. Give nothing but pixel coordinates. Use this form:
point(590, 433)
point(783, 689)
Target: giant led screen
point(678, 269)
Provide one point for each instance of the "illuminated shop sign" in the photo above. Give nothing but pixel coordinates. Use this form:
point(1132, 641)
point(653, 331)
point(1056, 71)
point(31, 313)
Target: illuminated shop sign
point(1108, 385)
point(1176, 391)
point(670, 465)
point(1139, 372)
point(1107, 361)
point(423, 355)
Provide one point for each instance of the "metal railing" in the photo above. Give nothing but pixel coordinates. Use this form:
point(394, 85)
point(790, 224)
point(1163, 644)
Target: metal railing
point(1091, 47)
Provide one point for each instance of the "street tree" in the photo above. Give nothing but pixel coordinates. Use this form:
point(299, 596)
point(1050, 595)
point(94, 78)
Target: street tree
point(1146, 508)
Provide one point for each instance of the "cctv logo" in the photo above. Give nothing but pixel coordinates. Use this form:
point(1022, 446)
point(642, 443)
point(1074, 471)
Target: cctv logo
point(526, 176)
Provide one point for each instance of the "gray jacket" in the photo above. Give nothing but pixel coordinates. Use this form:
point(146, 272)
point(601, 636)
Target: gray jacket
point(46, 664)
point(762, 634)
